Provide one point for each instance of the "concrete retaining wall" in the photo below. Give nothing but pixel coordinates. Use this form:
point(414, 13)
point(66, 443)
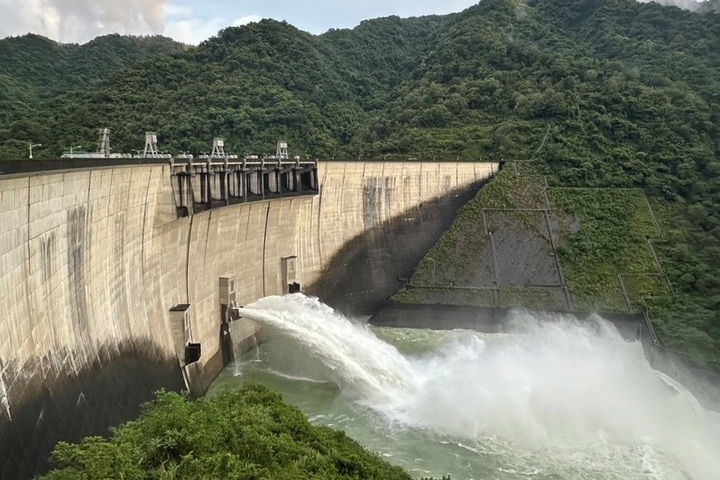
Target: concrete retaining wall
point(92, 261)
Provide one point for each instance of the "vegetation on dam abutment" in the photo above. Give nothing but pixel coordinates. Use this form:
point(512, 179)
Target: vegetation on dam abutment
point(524, 238)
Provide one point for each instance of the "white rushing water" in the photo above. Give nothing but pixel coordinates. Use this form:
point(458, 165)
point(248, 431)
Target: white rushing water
point(550, 398)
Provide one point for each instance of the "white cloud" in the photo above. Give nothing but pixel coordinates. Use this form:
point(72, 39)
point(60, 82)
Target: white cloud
point(245, 20)
point(171, 10)
point(686, 4)
point(193, 30)
point(187, 28)
point(80, 20)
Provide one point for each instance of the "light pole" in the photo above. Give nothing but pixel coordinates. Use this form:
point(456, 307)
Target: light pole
point(31, 146)
point(432, 274)
point(74, 148)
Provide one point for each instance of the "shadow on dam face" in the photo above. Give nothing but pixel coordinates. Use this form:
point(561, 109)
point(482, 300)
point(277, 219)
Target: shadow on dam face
point(373, 266)
point(74, 406)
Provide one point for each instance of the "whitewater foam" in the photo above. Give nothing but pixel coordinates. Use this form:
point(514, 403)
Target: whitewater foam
point(356, 360)
point(562, 395)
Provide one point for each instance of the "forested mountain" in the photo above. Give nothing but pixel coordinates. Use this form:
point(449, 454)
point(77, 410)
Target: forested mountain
point(34, 69)
point(473, 84)
point(38, 62)
point(627, 93)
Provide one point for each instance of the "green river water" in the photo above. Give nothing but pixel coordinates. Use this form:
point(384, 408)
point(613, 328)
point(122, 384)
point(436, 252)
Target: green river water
point(552, 398)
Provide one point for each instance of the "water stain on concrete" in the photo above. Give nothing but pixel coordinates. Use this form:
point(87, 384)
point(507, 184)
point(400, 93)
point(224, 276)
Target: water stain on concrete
point(47, 247)
point(76, 235)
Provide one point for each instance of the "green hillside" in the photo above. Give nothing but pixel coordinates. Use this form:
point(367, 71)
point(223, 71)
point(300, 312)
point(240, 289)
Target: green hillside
point(599, 94)
point(239, 434)
point(35, 70)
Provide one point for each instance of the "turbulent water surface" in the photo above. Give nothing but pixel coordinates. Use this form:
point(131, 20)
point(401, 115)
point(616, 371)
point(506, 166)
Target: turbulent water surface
point(551, 398)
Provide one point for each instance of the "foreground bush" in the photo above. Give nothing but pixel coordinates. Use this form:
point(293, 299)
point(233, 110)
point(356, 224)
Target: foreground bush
point(242, 434)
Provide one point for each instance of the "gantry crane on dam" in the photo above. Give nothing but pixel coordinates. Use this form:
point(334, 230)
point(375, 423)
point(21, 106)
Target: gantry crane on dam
point(204, 182)
point(151, 150)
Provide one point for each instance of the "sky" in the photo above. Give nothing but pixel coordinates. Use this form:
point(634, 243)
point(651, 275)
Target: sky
point(192, 21)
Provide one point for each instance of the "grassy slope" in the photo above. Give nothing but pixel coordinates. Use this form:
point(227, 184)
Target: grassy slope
point(613, 249)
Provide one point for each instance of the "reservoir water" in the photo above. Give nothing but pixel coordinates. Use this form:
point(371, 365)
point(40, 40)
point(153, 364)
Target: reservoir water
point(551, 398)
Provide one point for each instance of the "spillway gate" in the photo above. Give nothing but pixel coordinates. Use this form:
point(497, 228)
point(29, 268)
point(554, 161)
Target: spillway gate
point(201, 186)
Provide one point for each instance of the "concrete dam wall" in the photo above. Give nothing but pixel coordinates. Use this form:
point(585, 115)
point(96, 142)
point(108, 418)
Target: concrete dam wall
point(93, 261)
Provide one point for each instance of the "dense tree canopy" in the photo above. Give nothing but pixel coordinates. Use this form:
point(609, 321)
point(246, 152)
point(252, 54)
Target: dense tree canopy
point(243, 434)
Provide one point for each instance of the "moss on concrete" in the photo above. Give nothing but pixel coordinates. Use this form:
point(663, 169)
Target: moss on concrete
point(597, 242)
point(500, 240)
point(603, 238)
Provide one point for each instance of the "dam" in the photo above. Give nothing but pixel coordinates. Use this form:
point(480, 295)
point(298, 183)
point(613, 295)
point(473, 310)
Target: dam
point(114, 283)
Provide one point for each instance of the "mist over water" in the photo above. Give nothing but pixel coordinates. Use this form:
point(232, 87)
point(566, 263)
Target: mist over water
point(552, 397)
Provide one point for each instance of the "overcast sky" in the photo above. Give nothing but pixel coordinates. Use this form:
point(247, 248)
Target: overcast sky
point(192, 21)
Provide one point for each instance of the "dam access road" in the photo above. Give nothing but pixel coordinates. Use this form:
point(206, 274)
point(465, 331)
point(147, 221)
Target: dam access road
point(109, 290)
